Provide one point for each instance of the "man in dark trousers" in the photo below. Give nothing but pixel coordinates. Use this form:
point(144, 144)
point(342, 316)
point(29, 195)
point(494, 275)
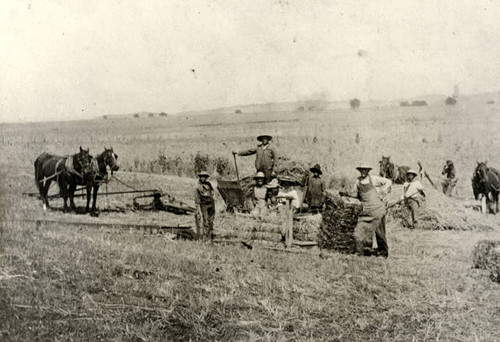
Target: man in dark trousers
point(451, 178)
point(266, 156)
point(205, 207)
point(370, 190)
point(315, 189)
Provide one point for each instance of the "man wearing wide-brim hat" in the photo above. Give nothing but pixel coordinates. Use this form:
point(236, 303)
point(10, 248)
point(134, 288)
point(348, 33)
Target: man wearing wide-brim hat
point(370, 190)
point(266, 156)
point(413, 195)
point(315, 189)
point(205, 205)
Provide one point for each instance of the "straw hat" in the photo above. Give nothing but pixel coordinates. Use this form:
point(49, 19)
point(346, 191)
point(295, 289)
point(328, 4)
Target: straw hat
point(364, 166)
point(412, 172)
point(203, 174)
point(268, 137)
point(286, 179)
point(259, 174)
point(272, 184)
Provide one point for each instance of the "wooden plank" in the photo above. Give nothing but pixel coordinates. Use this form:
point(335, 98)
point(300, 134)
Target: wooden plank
point(305, 243)
point(108, 224)
point(289, 223)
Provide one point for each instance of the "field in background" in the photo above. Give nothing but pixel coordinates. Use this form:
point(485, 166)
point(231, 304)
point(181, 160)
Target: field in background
point(66, 282)
point(429, 134)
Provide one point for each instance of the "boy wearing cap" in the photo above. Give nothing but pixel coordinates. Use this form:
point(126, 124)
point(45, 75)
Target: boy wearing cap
point(413, 195)
point(266, 156)
point(370, 190)
point(315, 189)
point(205, 205)
point(259, 195)
point(272, 193)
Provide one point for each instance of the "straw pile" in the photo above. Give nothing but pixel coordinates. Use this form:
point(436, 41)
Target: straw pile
point(439, 213)
point(337, 227)
point(486, 255)
point(296, 170)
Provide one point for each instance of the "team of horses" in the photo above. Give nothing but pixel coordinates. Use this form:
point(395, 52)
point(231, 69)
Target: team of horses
point(70, 171)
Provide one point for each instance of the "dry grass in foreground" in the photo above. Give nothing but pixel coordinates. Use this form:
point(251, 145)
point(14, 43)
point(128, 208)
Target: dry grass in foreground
point(84, 284)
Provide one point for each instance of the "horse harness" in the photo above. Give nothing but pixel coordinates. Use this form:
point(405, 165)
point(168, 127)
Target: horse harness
point(68, 166)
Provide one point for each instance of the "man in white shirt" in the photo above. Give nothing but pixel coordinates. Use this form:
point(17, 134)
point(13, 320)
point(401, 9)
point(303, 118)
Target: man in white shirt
point(413, 195)
point(370, 190)
point(287, 190)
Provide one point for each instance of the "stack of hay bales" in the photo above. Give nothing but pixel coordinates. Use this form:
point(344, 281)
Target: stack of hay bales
point(337, 227)
point(486, 255)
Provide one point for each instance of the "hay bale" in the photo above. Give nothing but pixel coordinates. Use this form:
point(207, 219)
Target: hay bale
point(494, 263)
point(337, 227)
point(480, 254)
point(486, 255)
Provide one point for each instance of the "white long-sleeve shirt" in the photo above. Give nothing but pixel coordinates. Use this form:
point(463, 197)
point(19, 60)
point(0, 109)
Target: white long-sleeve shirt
point(412, 190)
point(289, 193)
point(382, 185)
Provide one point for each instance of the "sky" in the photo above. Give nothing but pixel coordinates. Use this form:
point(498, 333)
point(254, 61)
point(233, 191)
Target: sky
point(76, 59)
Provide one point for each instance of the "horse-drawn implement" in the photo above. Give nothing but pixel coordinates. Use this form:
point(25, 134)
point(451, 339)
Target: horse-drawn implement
point(91, 173)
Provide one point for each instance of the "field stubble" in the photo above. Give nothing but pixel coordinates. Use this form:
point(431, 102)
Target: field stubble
point(62, 282)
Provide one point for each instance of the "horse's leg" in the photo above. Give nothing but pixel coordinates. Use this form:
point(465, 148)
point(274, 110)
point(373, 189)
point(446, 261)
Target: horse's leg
point(71, 194)
point(495, 196)
point(89, 193)
point(489, 201)
point(484, 203)
point(44, 191)
point(94, 197)
point(63, 191)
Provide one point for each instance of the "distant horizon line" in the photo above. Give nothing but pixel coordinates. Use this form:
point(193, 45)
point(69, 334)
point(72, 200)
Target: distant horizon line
point(312, 99)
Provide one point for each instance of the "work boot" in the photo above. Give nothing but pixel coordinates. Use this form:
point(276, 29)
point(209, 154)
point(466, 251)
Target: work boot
point(382, 253)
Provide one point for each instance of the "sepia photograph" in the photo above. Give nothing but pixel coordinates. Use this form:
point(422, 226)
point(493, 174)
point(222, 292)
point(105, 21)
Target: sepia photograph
point(267, 170)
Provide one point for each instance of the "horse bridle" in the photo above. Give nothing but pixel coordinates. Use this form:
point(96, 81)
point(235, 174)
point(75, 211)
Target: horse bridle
point(85, 164)
point(108, 154)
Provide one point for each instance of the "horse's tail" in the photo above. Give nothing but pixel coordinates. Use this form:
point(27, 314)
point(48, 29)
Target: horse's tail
point(38, 173)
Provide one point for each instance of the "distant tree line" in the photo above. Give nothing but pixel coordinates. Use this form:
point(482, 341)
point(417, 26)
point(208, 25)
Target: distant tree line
point(417, 103)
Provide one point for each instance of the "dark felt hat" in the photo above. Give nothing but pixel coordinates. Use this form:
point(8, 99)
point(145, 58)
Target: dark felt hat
point(268, 137)
point(316, 168)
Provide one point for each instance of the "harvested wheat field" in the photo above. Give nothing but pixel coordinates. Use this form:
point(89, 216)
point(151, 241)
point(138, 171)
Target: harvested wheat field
point(108, 281)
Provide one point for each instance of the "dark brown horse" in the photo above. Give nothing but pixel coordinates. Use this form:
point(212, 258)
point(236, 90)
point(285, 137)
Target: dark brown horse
point(392, 171)
point(106, 159)
point(67, 171)
point(486, 183)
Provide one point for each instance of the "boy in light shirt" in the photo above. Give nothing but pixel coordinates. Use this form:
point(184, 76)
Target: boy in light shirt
point(413, 196)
